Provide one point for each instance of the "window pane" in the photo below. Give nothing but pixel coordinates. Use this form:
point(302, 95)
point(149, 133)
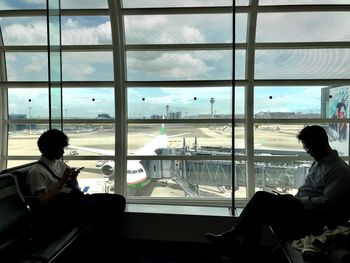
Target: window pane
point(239, 64)
point(178, 29)
point(82, 66)
point(176, 178)
point(284, 177)
point(90, 179)
point(302, 64)
point(23, 139)
point(303, 27)
point(240, 179)
point(179, 65)
point(239, 139)
point(302, 2)
point(275, 102)
point(239, 102)
point(82, 30)
point(22, 4)
point(308, 102)
point(179, 139)
point(276, 139)
point(82, 4)
point(26, 66)
point(180, 103)
point(96, 102)
point(89, 139)
point(241, 28)
point(172, 3)
point(28, 103)
point(24, 30)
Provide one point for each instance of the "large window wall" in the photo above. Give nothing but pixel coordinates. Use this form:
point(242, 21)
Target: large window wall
point(143, 89)
point(291, 70)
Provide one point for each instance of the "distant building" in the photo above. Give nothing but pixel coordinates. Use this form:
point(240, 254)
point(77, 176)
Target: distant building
point(175, 115)
point(155, 116)
point(20, 127)
point(104, 116)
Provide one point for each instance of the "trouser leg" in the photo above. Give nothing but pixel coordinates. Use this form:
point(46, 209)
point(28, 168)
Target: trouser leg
point(268, 209)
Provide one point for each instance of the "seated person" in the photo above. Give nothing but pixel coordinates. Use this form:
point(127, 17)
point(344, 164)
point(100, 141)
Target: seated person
point(321, 201)
point(60, 204)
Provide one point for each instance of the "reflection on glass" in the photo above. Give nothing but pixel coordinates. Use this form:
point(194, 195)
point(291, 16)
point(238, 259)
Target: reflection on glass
point(179, 65)
point(26, 66)
point(295, 27)
point(302, 64)
point(178, 29)
point(22, 139)
point(80, 66)
point(86, 30)
point(24, 30)
point(97, 103)
point(180, 139)
point(284, 177)
point(180, 103)
point(176, 178)
point(28, 103)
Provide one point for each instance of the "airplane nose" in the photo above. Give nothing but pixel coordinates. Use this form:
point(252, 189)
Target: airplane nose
point(107, 170)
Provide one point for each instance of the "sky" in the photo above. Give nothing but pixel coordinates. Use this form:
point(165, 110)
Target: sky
point(289, 64)
point(150, 65)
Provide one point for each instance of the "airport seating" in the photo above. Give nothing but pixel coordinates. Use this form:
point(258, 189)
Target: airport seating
point(17, 240)
point(339, 252)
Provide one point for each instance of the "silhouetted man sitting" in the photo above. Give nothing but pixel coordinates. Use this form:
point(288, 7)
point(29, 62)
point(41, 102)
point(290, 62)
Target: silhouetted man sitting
point(323, 200)
point(59, 202)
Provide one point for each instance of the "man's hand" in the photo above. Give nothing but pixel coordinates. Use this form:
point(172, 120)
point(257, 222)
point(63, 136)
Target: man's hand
point(69, 173)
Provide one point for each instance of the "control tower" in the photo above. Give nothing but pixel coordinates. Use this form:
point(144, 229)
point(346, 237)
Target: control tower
point(212, 101)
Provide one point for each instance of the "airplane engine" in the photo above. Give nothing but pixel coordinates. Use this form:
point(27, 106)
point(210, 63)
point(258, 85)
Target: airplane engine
point(108, 169)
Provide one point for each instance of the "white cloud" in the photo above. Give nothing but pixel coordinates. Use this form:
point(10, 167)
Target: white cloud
point(74, 33)
point(162, 29)
point(21, 34)
point(171, 65)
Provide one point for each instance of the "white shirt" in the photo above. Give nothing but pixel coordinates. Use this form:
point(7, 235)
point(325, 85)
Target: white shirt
point(39, 178)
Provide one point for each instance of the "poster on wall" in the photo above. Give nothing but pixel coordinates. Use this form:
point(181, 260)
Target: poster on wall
point(339, 109)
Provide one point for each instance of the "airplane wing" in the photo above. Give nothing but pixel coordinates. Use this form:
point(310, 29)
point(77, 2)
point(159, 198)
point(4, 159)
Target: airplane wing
point(92, 150)
point(177, 135)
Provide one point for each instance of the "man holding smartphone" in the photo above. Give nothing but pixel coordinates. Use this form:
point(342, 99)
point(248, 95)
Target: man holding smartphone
point(59, 201)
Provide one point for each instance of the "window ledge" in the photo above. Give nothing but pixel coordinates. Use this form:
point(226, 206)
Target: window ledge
point(178, 210)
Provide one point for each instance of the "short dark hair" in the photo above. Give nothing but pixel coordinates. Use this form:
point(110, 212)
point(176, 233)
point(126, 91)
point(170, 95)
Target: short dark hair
point(313, 135)
point(51, 140)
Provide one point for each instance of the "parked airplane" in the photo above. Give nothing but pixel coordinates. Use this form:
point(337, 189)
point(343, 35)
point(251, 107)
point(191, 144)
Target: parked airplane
point(136, 173)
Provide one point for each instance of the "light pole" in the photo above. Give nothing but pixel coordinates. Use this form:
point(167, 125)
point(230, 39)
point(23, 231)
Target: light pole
point(30, 116)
